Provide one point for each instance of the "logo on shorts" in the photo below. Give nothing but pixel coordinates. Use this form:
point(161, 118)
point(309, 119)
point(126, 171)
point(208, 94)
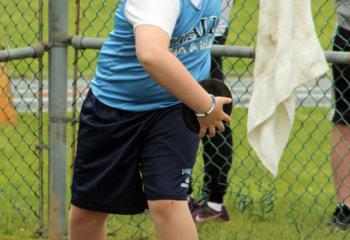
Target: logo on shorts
point(188, 173)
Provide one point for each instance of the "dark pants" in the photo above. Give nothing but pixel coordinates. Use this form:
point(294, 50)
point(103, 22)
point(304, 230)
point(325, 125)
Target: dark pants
point(341, 76)
point(217, 154)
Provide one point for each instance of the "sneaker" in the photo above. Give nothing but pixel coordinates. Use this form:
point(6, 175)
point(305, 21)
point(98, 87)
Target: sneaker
point(204, 213)
point(341, 216)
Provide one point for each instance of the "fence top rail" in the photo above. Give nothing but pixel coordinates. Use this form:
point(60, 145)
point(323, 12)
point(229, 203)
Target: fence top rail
point(79, 42)
point(21, 53)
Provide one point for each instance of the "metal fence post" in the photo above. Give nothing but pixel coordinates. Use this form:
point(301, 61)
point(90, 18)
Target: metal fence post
point(58, 36)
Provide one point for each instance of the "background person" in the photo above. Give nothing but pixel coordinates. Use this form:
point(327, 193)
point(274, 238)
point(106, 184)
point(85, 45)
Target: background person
point(218, 150)
point(340, 154)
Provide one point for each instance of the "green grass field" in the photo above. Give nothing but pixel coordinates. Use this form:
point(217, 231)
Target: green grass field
point(296, 205)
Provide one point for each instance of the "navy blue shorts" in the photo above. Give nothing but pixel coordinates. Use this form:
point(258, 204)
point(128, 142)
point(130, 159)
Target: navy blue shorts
point(125, 158)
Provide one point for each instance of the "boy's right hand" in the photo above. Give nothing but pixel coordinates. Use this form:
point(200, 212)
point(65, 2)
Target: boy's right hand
point(215, 120)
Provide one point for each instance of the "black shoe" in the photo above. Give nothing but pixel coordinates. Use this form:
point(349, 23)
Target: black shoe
point(341, 216)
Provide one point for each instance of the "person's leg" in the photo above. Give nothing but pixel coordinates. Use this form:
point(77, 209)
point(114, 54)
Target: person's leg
point(106, 177)
point(217, 151)
point(166, 162)
point(340, 155)
point(217, 157)
point(86, 224)
point(172, 220)
point(341, 162)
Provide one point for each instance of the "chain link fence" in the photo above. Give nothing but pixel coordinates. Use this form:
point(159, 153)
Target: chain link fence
point(297, 204)
point(21, 122)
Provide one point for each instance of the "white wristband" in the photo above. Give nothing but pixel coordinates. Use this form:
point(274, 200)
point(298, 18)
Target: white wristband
point(211, 109)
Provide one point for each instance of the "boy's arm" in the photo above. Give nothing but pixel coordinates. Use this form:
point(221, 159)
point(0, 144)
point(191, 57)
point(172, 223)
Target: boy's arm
point(152, 49)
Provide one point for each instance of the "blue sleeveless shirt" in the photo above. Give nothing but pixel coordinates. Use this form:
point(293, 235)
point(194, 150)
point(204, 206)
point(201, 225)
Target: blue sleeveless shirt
point(121, 81)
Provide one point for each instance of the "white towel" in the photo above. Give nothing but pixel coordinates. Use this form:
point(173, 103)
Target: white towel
point(288, 54)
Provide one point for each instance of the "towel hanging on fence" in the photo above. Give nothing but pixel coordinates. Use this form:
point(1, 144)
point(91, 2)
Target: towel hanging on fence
point(288, 54)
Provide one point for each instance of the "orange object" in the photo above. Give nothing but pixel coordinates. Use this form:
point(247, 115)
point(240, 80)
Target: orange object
point(7, 110)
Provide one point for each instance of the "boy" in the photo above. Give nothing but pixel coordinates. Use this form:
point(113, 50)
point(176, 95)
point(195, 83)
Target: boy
point(134, 150)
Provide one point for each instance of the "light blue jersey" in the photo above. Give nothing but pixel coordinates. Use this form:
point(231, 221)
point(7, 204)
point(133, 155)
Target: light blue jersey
point(121, 81)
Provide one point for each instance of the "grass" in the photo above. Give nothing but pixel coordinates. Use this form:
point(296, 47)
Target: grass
point(296, 205)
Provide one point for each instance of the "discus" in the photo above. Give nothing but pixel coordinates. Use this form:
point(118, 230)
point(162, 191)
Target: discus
point(212, 86)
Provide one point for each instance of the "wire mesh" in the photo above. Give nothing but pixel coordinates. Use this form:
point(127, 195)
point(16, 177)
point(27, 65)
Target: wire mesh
point(21, 130)
point(298, 204)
